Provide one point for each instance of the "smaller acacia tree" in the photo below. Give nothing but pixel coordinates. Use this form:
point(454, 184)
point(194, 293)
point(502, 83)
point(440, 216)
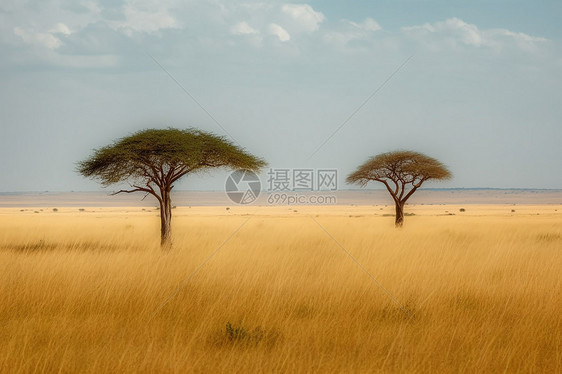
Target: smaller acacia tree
point(402, 173)
point(153, 160)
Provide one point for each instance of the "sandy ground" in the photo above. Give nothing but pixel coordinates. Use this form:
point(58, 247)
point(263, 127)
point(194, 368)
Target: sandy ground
point(498, 210)
point(199, 198)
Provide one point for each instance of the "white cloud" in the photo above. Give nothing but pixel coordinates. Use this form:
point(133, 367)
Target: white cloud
point(368, 25)
point(102, 28)
point(280, 32)
point(523, 41)
point(454, 32)
point(468, 34)
point(350, 31)
point(306, 17)
point(146, 16)
point(38, 38)
point(49, 50)
point(242, 28)
point(519, 36)
point(61, 28)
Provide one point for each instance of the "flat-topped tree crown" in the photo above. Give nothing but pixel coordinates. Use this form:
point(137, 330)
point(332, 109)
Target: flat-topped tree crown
point(402, 173)
point(164, 156)
point(153, 160)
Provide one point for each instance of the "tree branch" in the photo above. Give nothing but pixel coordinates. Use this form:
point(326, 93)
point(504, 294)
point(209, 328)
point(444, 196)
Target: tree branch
point(156, 177)
point(397, 188)
point(416, 186)
point(419, 183)
point(181, 172)
point(161, 173)
point(403, 183)
point(151, 176)
point(129, 191)
point(388, 188)
point(169, 174)
point(149, 190)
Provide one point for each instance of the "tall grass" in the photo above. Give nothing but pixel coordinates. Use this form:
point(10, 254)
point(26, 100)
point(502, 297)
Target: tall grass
point(93, 293)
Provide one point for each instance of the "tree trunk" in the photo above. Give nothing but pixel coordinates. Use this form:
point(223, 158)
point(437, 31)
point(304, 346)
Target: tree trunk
point(399, 214)
point(166, 221)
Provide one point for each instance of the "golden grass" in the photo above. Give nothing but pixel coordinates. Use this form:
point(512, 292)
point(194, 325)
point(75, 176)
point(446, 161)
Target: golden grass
point(78, 291)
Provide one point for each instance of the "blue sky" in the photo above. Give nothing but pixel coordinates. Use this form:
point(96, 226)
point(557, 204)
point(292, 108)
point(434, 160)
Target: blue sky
point(481, 91)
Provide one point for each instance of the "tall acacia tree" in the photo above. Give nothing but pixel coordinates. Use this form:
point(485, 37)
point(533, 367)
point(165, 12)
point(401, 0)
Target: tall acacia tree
point(402, 173)
point(153, 160)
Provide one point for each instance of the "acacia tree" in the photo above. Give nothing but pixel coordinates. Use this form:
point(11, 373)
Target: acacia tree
point(402, 173)
point(153, 160)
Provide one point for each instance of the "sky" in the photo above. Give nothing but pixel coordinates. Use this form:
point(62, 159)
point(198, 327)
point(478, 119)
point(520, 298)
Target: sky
point(321, 84)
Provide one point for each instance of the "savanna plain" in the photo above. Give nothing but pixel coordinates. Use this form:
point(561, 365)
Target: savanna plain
point(282, 289)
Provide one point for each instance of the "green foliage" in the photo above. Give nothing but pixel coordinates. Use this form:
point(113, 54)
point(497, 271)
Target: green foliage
point(235, 333)
point(164, 156)
point(241, 335)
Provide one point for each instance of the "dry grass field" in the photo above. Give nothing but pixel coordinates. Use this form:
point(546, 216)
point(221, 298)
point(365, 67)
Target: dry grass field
point(90, 291)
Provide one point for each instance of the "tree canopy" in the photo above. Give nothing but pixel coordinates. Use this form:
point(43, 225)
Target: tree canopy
point(153, 160)
point(402, 173)
point(399, 166)
point(161, 157)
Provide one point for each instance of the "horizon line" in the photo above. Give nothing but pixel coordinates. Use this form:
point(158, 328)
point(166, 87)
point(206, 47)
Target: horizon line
point(312, 191)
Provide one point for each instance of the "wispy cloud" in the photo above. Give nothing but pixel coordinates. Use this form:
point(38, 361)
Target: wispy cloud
point(242, 28)
point(368, 25)
point(279, 32)
point(93, 28)
point(454, 33)
point(44, 39)
point(350, 31)
point(60, 28)
point(305, 17)
point(147, 16)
